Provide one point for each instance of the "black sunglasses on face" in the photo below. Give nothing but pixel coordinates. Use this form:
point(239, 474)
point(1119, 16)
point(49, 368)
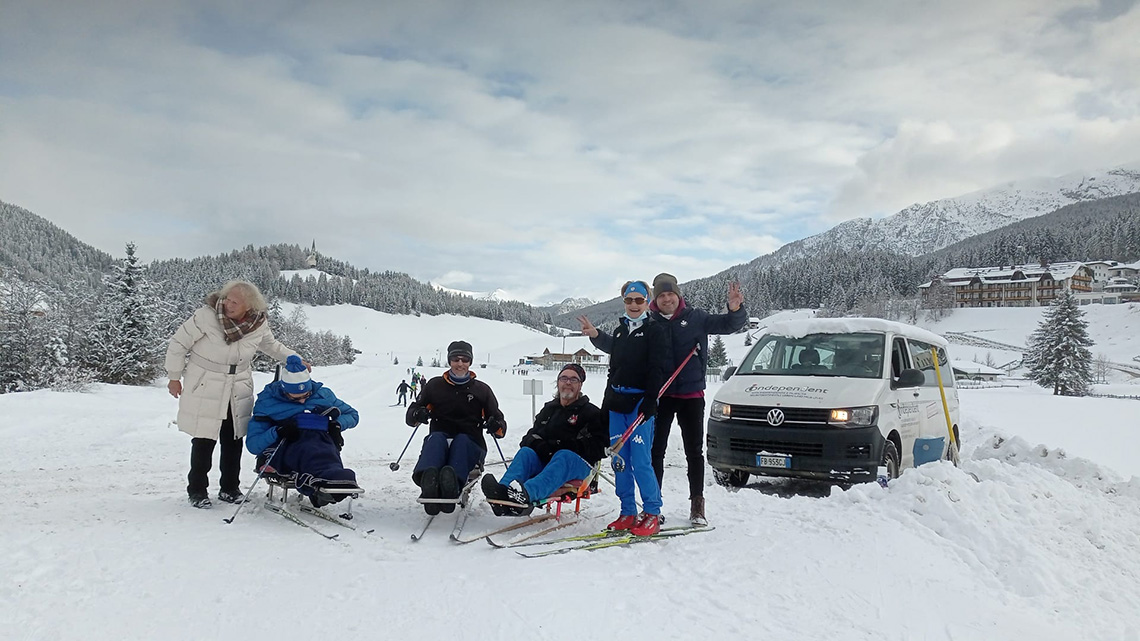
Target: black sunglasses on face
point(569, 379)
point(634, 301)
point(461, 359)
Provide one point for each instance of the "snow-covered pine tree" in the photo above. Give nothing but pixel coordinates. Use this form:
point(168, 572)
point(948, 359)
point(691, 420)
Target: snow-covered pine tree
point(262, 362)
point(1059, 355)
point(717, 355)
point(127, 342)
point(22, 338)
point(420, 361)
point(835, 303)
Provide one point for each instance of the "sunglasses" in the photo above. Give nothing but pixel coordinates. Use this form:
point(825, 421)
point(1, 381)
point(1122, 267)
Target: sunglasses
point(629, 300)
point(460, 359)
point(569, 379)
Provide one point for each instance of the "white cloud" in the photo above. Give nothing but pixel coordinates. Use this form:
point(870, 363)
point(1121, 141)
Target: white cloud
point(524, 145)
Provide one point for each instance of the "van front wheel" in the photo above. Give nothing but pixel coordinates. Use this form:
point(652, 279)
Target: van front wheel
point(734, 479)
point(891, 459)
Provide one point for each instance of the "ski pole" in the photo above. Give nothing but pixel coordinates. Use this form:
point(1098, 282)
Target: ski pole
point(619, 463)
point(254, 484)
point(500, 447)
point(396, 465)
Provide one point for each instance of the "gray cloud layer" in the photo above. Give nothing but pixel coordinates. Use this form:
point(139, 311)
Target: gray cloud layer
point(551, 150)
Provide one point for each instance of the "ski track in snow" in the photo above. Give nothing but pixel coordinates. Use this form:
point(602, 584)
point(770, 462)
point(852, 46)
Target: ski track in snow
point(101, 544)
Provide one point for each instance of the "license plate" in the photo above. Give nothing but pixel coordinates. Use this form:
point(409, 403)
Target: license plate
point(764, 460)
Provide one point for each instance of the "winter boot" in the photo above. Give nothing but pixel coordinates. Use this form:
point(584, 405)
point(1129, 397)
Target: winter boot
point(697, 511)
point(448, 488)
point(429, 489)
point(647, 525)
point(492, 489)
point(320, 499)
point(233, 496)
point(200, 501)
point(623, 522)
point(519, 495)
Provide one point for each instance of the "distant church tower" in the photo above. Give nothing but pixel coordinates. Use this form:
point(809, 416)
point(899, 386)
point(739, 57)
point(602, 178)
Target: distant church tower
point(311, 259)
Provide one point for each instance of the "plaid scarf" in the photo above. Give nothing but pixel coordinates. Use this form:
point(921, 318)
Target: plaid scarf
point(234, 331)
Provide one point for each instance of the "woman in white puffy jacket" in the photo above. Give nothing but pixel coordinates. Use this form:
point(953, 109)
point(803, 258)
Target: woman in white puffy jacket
point(208, 363)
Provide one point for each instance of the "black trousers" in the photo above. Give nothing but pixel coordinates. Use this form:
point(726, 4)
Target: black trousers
point(690, 413)
point(202, 455)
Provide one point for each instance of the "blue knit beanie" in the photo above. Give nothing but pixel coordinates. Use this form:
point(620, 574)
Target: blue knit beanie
point(295, 378)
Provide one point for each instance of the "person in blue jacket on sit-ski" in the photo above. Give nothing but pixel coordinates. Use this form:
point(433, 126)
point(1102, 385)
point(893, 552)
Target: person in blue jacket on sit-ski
point(296, 430)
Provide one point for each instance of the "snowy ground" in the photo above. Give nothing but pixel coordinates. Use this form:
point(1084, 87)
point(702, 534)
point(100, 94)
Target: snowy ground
point(101, 543)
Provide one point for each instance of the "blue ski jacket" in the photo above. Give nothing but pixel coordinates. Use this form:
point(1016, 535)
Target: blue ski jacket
point(273, 406)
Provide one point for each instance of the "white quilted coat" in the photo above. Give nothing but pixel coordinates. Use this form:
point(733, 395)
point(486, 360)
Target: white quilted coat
point(207, 387)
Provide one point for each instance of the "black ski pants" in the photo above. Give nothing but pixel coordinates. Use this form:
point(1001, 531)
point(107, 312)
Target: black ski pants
point(202, 457)
point(690, 413)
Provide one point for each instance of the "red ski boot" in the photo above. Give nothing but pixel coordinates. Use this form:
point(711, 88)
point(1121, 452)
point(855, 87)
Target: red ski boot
point(647, 525)
point(623, 522)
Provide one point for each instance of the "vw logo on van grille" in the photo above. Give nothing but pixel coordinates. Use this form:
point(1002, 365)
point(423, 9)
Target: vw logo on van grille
point(775, 416)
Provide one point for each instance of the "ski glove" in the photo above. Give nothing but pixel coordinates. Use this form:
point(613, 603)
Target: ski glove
point(333, 413)
point(288, 430)
point(649, 405)
point(334, 433)
point(496, 426)
point(416, 415)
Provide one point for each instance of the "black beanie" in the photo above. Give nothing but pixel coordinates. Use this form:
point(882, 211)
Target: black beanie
point(460, 348)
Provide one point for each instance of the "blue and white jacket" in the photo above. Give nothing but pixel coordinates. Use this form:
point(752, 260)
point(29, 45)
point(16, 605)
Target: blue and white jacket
point(273, 406)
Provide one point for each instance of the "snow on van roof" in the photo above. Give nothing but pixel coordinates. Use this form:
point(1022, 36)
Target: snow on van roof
point(801, 328)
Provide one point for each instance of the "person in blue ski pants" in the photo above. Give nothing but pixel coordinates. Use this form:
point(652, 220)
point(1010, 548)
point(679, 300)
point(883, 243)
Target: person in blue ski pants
point(639, 352)
point(567, 439)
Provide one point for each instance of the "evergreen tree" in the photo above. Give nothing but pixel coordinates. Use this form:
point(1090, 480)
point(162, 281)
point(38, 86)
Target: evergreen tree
point(1059, 355)
point(420, 361)
point(128, 346)
point(717, 355)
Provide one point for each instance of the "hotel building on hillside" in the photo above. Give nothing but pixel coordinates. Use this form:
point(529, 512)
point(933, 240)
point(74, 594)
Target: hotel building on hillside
point(1011, 286)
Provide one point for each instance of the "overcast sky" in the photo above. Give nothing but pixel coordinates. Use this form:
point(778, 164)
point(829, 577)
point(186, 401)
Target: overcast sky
point(548, 149)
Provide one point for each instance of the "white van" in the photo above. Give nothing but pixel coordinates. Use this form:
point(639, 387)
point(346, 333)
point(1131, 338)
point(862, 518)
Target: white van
point(833, 399)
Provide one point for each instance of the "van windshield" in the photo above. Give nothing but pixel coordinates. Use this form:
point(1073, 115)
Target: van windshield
point(850, 355)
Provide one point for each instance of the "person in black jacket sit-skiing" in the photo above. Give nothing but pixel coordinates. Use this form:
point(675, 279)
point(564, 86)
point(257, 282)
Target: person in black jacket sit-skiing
point(458, 408)
point(567, 439)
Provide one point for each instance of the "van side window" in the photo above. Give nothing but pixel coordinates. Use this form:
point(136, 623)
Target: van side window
point(920, 356)
point(899, 358)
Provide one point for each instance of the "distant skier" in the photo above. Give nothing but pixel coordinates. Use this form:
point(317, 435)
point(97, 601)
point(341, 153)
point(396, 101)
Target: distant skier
point(305, 419)
point(402, 390)
point(568, 438)
point(459, 408)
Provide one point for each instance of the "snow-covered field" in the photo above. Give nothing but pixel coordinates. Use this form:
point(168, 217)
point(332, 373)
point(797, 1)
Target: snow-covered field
point(1035, 536)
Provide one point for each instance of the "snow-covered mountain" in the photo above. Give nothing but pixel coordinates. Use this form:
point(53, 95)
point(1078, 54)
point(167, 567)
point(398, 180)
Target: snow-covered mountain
point(495, 295)
point(568, 305)
point(926, 227)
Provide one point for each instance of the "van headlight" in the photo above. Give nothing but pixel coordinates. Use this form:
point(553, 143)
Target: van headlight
point(720, 411)
point(854, 416)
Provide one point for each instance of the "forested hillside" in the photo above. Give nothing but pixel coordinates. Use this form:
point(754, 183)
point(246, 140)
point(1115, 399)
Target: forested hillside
point(871, 282)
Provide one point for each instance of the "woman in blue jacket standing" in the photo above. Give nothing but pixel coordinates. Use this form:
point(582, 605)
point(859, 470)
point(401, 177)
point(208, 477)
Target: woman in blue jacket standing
point(305, 419)
point(639, 355)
